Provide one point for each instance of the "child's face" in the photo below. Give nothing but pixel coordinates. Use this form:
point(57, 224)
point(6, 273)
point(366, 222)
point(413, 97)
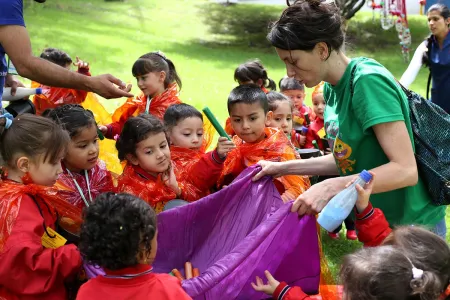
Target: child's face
point(297, 97)
point(188, 133)
point(318, 105)
point(249, 121)
point(45, 172)
point(151, 83)
point(282, 117)
point(83, 150)
point(152, 154)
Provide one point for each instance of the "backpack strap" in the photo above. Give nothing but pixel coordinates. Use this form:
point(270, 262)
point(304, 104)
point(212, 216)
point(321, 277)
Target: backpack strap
point(428, 85)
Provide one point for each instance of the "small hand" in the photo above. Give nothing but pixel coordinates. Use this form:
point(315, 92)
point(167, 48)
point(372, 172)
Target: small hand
point(268, 288)
point(103, 129)
point(170, 180)
point(302, 140)
point(363, 194)
point(224, 146)
point(81, 64)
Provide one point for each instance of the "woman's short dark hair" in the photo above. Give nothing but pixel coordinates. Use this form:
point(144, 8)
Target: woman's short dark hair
point(386, 273)
point(179, 112)
point(32, 135)
point(307, 23)
point(135, 130)
point(72, 117)
point(116, 228)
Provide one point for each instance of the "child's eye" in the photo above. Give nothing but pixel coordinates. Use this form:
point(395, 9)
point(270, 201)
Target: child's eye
point(288, 118)
point(149, 152)
point(199, 134)
point(82, 146)
point(186, 134)
point(236, 120)
point(163, 146)
point(277, 119)
point(253, 118)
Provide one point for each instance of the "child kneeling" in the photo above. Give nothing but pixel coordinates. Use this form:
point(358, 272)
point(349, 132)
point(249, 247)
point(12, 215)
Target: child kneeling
point(119, 234)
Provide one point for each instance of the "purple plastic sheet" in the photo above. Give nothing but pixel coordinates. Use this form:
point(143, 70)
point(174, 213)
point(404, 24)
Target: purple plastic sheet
point(234, 235)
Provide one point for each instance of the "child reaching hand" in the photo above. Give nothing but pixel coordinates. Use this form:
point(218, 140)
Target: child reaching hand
point(149, 173)
point(34, 262)
point(119, 234)
point(283, 110)
point(249, 112)
point(189, 141)
point(158, 80)
point(84, 176)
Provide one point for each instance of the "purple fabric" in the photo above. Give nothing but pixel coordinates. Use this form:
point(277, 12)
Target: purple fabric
point(234, 235)
point(92, 271)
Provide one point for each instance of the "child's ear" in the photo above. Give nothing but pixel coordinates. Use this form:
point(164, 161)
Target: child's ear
point(132, 159)
point(162, 76)
point(23, 164)
point(269, 117)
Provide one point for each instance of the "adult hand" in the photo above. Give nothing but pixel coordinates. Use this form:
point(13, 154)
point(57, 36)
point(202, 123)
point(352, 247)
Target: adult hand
point(109, 86)
point(317, 196)
point(13, 83)
point(269, 168)
point(268, 288)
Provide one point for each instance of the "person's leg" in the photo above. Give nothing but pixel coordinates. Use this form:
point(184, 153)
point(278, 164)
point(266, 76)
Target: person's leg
point(350, 225)
point(440, 229)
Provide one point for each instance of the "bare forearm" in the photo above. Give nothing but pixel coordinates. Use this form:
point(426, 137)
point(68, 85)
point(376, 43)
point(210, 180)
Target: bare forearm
point(324, 165)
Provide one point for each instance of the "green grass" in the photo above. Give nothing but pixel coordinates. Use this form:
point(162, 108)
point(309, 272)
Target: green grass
point(112, 35)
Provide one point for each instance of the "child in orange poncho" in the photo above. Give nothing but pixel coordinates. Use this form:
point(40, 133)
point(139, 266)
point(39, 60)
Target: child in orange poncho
point(249, 112)
point(149, 173)
point(84, 176)
point(189, 140)
point(52, 97)
point(34, 263)
point(158, 80)
point(251, 72)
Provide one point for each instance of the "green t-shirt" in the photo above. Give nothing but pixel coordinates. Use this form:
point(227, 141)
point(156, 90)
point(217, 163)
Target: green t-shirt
point(377, 99)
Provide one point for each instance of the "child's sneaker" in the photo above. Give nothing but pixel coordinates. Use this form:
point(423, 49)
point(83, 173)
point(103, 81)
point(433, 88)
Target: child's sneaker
point(351, 235)
point(333, 236)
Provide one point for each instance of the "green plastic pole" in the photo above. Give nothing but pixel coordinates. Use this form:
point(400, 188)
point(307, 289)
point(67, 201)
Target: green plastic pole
point(215, 123)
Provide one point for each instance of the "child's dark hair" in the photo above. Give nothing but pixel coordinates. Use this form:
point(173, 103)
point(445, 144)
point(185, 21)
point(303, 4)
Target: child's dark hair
point(32, 135)
point(426, 250)
point(135, 130)
point(253, 70)
point(116, 228)
point(157, 62)
point(306, 23)
point(445, 13)
point(274, 97)
point(179, 112)
point(56, 56)
point(386, 273)
point(248, 94)
point(72, 117)
point(290, 83)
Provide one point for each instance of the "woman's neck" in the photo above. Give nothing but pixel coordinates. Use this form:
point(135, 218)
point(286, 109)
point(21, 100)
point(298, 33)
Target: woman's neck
point(336, 64)
point(441, 38)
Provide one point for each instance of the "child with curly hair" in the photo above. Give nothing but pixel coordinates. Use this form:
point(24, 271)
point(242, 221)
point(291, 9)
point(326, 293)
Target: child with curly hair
point(119, 234)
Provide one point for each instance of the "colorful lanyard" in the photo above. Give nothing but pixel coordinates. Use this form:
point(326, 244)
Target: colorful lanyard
point(147, 106)
point(80, 191)
point(130, 276)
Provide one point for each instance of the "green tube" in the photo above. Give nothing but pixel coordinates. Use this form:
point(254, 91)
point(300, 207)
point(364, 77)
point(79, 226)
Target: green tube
point(215, 123)
point(314, 142)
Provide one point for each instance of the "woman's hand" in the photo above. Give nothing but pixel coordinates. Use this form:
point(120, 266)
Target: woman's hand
point(269, 168)
point(317, 196)
point(268, 288)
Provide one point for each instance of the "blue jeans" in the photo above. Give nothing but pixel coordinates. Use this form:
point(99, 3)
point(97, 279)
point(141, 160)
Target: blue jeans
point(440, 229)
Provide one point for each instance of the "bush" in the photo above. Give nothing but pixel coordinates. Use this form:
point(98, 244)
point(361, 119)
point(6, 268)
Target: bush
point(242, 23)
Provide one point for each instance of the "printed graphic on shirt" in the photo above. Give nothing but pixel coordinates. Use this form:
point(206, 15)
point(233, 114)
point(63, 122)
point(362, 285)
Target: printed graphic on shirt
point(332, 130)
point(342, 153)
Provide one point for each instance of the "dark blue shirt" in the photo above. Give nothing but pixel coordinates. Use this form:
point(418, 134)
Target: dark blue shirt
point(11, 13)
point(440, 72)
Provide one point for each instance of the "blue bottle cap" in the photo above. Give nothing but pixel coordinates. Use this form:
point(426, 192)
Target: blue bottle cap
point(366, 176)
point(38, 91)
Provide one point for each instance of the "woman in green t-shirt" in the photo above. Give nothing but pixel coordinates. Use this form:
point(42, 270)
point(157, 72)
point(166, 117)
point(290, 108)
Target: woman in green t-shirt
point(367, 116)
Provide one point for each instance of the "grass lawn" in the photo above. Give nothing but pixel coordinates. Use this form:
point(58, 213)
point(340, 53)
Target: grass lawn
point(112, 35)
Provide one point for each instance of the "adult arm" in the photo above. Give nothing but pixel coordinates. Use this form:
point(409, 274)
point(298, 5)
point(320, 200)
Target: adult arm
point(16, 42)
point(414, 66)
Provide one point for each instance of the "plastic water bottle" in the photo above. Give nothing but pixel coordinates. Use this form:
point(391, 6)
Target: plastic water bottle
point(20, 93)
point(341, 205)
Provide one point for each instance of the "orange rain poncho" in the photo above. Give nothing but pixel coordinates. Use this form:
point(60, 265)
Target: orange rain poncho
point(275, 147)
point(135, 106)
